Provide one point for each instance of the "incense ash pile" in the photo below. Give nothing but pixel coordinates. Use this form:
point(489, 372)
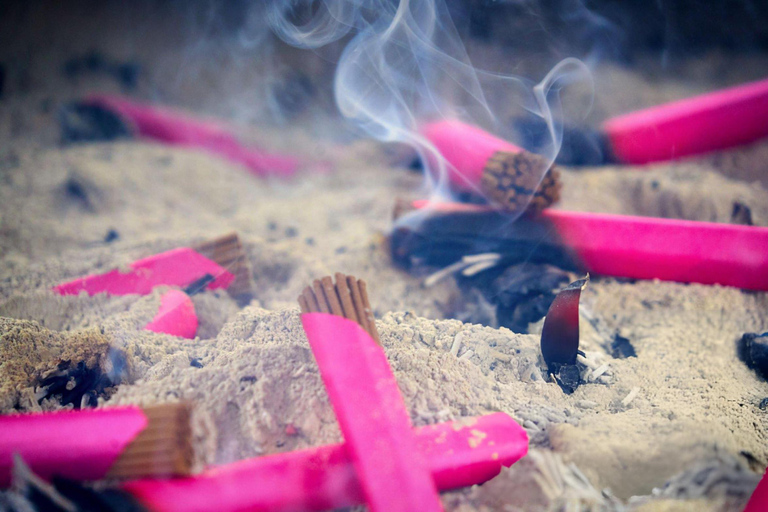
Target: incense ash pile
point(668, 416)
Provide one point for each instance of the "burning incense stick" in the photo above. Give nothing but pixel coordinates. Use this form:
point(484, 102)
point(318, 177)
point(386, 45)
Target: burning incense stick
point(458, 454)
point(99, 443)
point(367, 401)
point(508, 176)
point(176, 315)
point(172, 127)
point(611, 245)
point(225, 266)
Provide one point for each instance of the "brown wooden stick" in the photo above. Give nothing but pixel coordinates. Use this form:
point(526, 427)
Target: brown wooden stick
point(332, 296)
point(303, 304)
point(317, 286)
point(357, 300)
point(370, 320)
point(309, 296)
point(342, 288)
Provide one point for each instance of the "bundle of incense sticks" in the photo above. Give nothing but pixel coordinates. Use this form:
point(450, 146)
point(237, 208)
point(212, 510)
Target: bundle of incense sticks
point(218, 263)
point(99, 443)
point(458, 454)
point(370, 410)
point(176, 315)
point(347, 298)
point(612, 245)
point(172, 127)
point(506, 175)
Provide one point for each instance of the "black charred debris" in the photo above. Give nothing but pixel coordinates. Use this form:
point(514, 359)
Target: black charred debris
point(752, 349)
point(80, 385)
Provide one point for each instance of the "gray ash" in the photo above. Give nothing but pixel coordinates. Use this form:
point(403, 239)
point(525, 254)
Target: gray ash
point(621, 347)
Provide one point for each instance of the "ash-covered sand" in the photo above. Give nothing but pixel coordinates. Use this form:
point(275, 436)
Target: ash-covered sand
point(694, 421)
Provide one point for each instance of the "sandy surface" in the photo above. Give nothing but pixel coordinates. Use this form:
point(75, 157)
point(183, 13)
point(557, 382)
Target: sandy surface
point(250, 371)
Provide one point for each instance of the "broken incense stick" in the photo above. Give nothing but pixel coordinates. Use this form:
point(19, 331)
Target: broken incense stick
point(507, 176)
point(218, 263)
point(439, 234)
point(176, 315)
point(176, 128)
point(368, 404)
point(99, 443)
point(458, 454)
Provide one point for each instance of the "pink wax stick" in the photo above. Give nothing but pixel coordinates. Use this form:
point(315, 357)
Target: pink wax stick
point(758, 502)
point(666, 249)
point(81, 445)
point(466, 150)
point(705, 123)
point(177, 267)
point(642, 247)
point(172, 127)
point(323, 478)
point(176, 315)
point(371, 414)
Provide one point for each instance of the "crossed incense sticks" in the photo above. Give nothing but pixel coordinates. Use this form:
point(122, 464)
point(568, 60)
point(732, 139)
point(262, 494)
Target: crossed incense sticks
point(384, 462)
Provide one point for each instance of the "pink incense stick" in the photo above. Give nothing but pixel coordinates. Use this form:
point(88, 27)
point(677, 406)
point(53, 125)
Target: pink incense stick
point(705, 123)
point(81, 445)
point(758, 502)
point(323, 478)
point(466, 150)
point(172, 127)
point(176, 315)
point(177, 267)
point(371, 413)
point(653, 248)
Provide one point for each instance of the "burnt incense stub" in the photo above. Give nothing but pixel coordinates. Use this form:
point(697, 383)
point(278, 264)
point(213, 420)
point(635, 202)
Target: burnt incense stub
point(512, 181)
point(560, 336)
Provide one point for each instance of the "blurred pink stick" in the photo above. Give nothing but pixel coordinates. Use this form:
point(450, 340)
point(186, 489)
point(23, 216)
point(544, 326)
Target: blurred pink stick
point(177, 267)
point(176, 128)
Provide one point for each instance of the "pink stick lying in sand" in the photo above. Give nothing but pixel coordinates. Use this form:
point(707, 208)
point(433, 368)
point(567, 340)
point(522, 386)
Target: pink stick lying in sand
point(652, 248)
point(371, 413)
point(466, 149)
point(176, 315)
point(458, 454)
point(81, 445)
point(177, 267)
point(758, 502)
point(705, 123)
point(172, 127)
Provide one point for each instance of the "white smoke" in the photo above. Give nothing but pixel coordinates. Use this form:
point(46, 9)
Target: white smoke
point(404, 64)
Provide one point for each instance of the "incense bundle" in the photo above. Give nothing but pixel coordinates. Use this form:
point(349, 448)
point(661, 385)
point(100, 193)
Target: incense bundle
point(710, 122)
point(99, 443)
point(508, 176)
point(371, 413)
point(347, 298)
point(175, 128)
point(176, 315)
point(184, 266)
point(610, 245)
point(458, 454)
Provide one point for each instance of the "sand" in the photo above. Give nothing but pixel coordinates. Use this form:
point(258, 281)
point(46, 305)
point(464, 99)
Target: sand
point(251, 374)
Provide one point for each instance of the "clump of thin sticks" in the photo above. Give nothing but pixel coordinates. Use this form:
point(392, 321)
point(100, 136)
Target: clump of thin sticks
point(163, 448)
point(348, 297)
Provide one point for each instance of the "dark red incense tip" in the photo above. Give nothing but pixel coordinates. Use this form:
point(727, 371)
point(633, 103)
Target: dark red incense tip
point(560, 334)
